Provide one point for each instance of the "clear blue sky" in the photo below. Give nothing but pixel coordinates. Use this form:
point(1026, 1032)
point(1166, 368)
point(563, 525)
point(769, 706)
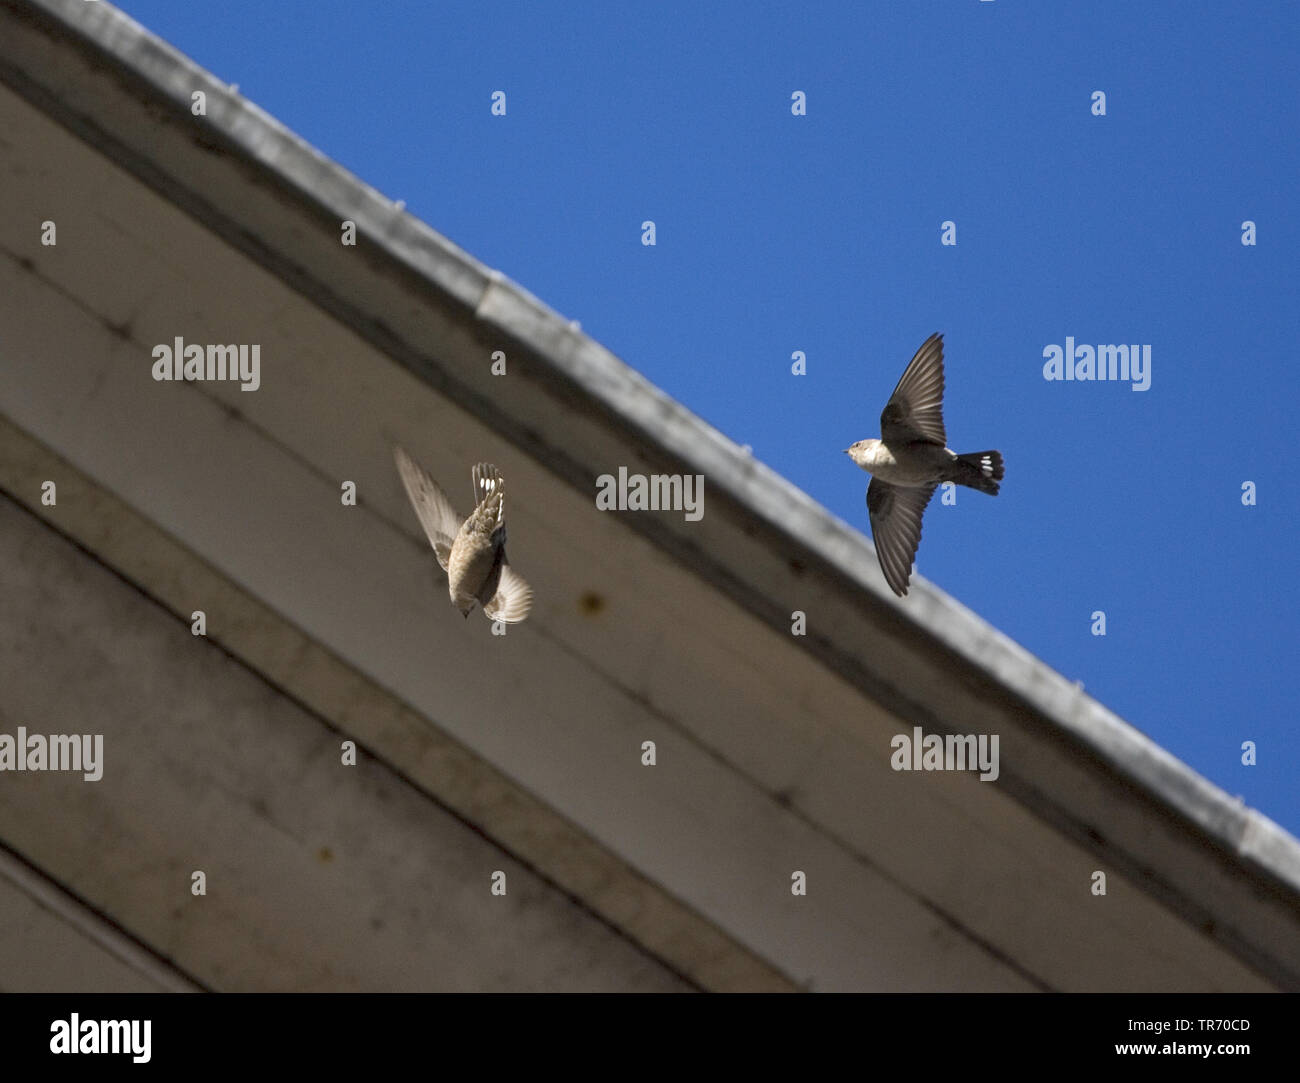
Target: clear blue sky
point(821, 233)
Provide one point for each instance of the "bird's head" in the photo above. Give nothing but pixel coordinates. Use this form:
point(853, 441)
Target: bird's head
point(463, 602)
point(860, 450)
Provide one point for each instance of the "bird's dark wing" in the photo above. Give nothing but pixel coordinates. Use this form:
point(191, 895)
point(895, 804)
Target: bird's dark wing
point(431, 505)
point(915, 409)
point(896, 528)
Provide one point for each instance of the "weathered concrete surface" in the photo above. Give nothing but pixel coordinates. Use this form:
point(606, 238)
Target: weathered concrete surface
point(319, 876)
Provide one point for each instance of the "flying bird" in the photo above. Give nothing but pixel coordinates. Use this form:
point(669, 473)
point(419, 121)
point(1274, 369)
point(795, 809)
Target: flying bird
point(909, 461)
point(472, 553)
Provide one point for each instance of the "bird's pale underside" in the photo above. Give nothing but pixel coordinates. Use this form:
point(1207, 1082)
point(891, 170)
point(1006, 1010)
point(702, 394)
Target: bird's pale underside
point(910, 459)
point(473, 552)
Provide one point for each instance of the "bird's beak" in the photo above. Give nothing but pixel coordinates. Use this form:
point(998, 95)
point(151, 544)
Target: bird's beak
point(847, 450)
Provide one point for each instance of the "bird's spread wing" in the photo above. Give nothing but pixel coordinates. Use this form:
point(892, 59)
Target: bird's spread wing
point(896, 528)
point(915, 409)
point(513, 600)
point(431, 505)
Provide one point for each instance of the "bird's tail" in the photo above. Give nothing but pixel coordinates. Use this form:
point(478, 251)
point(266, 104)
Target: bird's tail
point(487, 482)
point(980, 470)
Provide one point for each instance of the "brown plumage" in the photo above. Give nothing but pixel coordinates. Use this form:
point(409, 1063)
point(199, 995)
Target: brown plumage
point(472, 553)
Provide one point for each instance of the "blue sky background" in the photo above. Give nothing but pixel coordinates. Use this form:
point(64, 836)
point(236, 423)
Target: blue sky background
point(822, 234)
